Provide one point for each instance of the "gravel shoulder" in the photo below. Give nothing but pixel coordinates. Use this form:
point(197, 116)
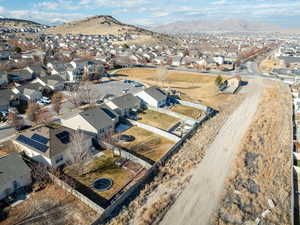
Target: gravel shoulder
point(200, 198)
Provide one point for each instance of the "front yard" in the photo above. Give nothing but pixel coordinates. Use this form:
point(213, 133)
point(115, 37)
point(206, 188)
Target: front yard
point(156, 119)
point(188, 111)
point(53, 205)
point(147, 143)
point(102, 167)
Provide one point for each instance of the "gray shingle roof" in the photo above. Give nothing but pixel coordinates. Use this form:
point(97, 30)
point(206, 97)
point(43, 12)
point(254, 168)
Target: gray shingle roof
point(156, 93)
point(12, 167)
point(99, 117)
point(6, 96)
point(126, 101)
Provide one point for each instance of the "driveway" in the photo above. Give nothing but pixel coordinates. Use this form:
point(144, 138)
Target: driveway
point(200, 199)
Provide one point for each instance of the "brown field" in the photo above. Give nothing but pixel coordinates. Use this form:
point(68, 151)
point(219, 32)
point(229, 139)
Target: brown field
point(262, 168)
point(53, 206)
point(188, 111)
point(147, 143)
point(157, 119)
point(268, 64)
point(192, 86)
point(103, 167)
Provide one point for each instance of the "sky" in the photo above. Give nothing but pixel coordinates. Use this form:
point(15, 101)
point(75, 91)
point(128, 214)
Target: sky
point(155, 12)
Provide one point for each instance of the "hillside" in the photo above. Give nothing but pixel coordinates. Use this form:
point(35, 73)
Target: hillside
point(18, 23)
point(230, 25)
point(103, 25)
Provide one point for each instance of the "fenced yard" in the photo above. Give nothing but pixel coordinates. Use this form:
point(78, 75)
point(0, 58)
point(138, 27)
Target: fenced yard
point(157, 119)
point(102, 167)
point(53, 205)
point(147, 143)
point(188, 111)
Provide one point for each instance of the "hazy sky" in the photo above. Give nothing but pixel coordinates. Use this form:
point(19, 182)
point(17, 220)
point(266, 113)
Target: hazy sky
point(155, 12)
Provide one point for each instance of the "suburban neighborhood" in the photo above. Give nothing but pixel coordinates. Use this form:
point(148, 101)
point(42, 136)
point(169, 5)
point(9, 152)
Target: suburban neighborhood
point(102, 122)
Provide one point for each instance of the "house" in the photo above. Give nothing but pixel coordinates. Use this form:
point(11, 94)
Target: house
point(29, 92)
point(54, 82)
point(20, 75)
point(153, 96)
point(125, 104)
point(8, 99)
point(48, 145)
point(96, 121)
point(14, 175)
point(232, 84)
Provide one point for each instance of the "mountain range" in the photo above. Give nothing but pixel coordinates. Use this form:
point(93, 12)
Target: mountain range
point(227, 25)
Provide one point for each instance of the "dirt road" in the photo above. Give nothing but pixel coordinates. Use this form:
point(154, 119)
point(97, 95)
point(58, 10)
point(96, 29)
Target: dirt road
point(199, 200)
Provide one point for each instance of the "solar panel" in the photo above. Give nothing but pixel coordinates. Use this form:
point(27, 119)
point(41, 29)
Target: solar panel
point(64, 137)
point(39, 138)
point(34, 144)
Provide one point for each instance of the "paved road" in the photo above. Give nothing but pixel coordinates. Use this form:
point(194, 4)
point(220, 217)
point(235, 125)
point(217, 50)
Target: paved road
point(199, 200)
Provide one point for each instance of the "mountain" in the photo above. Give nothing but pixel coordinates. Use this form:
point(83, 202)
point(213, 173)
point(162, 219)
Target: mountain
point(18, 23)
point(103, 25)
point(228, 25)
point(97, 25)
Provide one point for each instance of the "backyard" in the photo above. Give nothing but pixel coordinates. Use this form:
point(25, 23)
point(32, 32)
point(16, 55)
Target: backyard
point(52, 205)
point(197, 87)
point(188, 111)
point(102, 167)
point(147, 143)
point(156, 119)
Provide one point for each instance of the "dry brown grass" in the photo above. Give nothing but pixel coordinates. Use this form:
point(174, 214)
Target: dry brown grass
point(188, 111)
point(53, 206)
point(155, 199)
point(270, 138)
point(147, 143)
point(196, 87)
point(103, 167)
point(156, 119)
point(268, 64)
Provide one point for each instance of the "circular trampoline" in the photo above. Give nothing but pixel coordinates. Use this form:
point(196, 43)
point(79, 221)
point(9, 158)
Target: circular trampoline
point(103, 184)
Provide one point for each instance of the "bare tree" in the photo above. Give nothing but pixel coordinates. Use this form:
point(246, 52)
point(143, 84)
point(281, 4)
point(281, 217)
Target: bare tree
point(14, 120)
point(56, 100)
point(79, 151)
point(162, 74)
point(33, 111)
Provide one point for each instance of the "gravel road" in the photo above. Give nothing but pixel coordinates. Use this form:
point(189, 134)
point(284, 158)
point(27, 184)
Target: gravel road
point(198, 201)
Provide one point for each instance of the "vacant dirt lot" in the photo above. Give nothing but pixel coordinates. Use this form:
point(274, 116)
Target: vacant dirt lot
point(51, 206)
point(156, 119)
point(147, 143)
point(262, 169)
point(195, 87)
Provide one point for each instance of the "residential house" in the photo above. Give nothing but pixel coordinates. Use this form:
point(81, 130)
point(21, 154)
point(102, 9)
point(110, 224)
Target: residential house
point(125, 104)
point(53, 82)
point(48, 145)
point(8, 99)
point(153, 96)
point(29, 92)
point(20, 75)
point(14, 175)
point(96, 121)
